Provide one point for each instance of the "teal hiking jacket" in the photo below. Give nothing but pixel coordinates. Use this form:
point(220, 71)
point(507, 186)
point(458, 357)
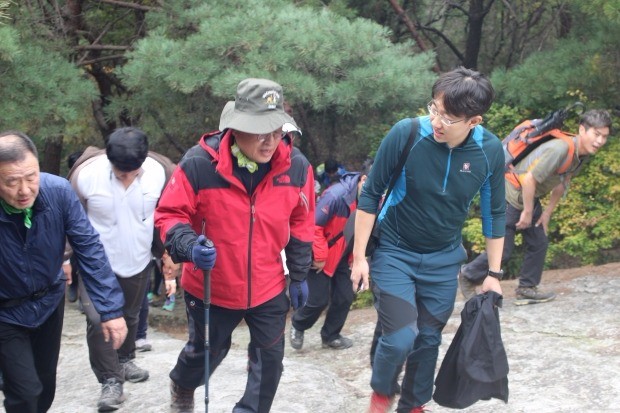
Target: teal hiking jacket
point(429, 204)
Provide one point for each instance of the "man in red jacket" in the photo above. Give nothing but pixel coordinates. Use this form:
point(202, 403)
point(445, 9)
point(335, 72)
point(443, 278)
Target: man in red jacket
point(329, 279)
point(241, 188)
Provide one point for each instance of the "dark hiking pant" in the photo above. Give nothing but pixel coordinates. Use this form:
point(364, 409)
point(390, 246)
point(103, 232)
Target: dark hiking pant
point(323, 290)
point(28, 360)
point(104, 360)
point(266, 323)
point(535, 243)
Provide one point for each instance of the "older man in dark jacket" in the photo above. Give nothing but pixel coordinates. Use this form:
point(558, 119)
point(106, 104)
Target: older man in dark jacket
point(38, 213)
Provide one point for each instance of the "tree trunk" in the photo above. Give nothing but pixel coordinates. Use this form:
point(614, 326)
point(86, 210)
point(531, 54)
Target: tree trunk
point(474, 33)
point(52, 155)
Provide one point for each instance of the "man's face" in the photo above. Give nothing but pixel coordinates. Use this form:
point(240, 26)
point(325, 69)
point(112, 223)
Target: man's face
point(592, 139)
point(126, 177)
point(449, 128)
point(19, 182)
point(259, 148)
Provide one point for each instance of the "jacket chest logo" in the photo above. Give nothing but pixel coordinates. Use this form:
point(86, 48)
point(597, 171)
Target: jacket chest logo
point(466, 168)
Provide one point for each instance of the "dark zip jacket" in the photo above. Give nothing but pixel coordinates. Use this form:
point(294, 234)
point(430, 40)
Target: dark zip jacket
point(31, 268)
point(332, 212)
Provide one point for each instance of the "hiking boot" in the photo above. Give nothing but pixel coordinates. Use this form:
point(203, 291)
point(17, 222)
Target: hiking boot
point(181, 399)
point(467, 287)
point(532, 295)
point(142, 345)
point(297, 338)
point(380, 403)
point(111, 395)
point(134, 373)
point(339, 343)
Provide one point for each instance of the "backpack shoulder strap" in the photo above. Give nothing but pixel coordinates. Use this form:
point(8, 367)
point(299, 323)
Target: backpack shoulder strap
point(403, 156)
point(165, 162)
point(569, 139)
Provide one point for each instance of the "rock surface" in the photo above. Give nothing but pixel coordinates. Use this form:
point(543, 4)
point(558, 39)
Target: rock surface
point(564, 356)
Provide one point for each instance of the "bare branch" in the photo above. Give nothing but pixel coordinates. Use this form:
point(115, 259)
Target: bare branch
point(101, 59)
point(129, 5)
point(101, 47)
point(449, 43)
point(409, 24)
point(411, 27)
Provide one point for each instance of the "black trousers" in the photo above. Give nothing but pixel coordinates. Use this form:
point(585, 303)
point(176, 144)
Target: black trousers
point(28, 360)
point(104, 360)
point(266, 323)
point(535, 243)
point(335, 291)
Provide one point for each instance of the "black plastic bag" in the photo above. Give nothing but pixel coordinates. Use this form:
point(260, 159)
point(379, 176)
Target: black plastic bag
point(475, 366)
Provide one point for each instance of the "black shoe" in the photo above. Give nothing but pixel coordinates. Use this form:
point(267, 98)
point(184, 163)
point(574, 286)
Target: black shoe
point(297, 338)
point(339, 343)
point(1, 382)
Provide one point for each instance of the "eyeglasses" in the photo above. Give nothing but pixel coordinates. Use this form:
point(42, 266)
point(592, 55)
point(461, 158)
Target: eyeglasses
point(430, 106)
point(276, 135)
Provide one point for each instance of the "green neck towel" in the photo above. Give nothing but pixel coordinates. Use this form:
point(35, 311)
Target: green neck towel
point(242, 160)
point(12, 210)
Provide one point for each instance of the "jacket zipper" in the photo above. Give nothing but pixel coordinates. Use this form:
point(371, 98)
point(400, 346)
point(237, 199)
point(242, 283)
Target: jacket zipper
point(445, 179)
point(252, 219)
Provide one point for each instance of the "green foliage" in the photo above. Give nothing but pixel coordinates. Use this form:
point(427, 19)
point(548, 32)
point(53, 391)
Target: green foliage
point(340, 76)
point(587, 222)
point(363, 299)
point(600, 9)
point(555, 78)
point(501, 119)
point(43, 94)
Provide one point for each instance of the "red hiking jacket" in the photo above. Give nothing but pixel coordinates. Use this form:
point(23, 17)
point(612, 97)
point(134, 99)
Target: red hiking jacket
point(249, 232)
point(332, 211)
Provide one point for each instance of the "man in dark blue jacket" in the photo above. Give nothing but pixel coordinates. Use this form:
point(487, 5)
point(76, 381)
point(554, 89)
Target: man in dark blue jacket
point(38, 213)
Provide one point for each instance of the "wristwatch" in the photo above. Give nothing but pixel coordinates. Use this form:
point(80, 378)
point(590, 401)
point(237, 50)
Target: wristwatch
point(499, 274)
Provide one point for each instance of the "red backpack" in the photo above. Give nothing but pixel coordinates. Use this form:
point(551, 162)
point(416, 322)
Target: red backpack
point(530, 134)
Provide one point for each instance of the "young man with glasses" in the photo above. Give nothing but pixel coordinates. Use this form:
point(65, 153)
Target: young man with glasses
point(244, 188)
point(414, 268)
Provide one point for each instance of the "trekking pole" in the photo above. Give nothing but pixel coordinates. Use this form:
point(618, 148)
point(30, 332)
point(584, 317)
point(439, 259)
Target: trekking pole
point(207, 303)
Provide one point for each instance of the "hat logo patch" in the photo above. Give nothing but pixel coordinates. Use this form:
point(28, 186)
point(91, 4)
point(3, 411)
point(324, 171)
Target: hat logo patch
point(271, 98)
